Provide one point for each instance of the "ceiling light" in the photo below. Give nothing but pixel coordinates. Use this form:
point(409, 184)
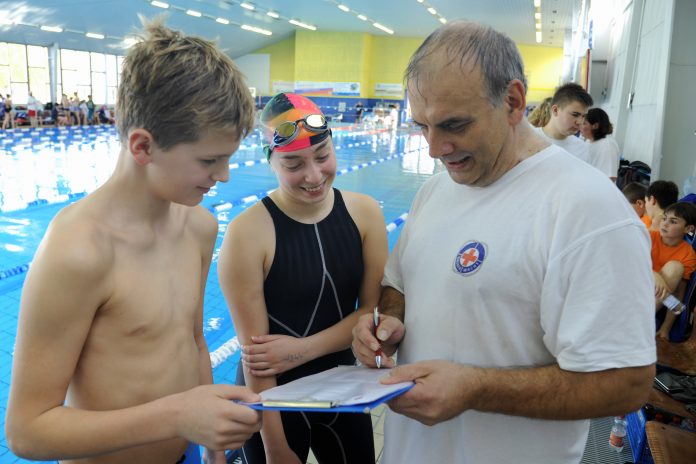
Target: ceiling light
point(538, 36)
point(94, 35)
point(273, 14)
point(159, 4)
point(195, 13)
point(363, 17)
point(383, 28)
point(432, 10)
point(538, 26)
point(130, 41)
point(443, 20)
point(344, 8)
point(51, 29)
point(247, 6)
point(537, 3)
point(301, 24)
point(258, 30)
point(222, 20)
point(420, 1)
point(537, 15)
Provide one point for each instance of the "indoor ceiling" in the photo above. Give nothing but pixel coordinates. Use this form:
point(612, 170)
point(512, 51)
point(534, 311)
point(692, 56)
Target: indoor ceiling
point(116, 20)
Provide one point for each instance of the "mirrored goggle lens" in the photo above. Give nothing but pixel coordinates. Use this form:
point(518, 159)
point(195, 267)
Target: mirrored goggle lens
point(285, 129)
point(315, 121)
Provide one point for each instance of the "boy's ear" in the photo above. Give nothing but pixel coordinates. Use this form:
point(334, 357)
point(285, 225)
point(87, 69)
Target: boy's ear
point(690, 229)
point(140, 145)
point(640, 203)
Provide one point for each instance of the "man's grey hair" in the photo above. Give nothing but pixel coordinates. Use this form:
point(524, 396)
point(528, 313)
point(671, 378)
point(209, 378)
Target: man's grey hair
point(472, 44)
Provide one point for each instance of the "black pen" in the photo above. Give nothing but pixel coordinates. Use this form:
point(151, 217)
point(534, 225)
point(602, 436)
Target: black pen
point(375, 320)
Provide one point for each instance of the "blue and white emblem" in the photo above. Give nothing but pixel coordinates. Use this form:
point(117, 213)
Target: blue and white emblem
point(470, 257)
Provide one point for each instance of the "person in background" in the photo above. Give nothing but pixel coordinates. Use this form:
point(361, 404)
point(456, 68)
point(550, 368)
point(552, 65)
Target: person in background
point(541, 114)
point(514, 340)
point(359, 109)
point(660, 195)
point(90, 110)
point(111, 365)
point(635, 194)
point(34, 111)
point(8, 120)
point(568, 107)
point(294, 268)
point(673, 259)
point(604, 151)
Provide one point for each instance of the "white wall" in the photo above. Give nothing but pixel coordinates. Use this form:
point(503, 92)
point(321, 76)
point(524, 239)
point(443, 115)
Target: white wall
point(256, 68)
point(643, 136)
point(637, 72)
point(679, 141)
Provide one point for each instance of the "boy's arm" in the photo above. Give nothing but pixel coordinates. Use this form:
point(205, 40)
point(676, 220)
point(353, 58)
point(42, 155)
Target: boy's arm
point(272, 355)
point(206, 229)
point(670, 317)
point(241, 277)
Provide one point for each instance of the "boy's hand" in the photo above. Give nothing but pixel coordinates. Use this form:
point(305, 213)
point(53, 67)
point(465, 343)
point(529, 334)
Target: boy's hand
point(208, 415)
point(662, 290)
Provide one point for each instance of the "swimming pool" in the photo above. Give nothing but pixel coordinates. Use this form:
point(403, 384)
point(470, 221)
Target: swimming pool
point(43, 170)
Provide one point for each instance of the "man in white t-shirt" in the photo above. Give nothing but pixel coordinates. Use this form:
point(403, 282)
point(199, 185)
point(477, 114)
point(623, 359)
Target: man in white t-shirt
point(568, 107)
point(519, 292)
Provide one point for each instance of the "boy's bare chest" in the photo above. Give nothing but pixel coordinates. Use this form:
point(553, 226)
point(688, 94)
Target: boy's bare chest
point(155, 286)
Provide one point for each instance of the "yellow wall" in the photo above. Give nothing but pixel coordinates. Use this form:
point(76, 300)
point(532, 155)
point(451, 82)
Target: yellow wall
point(329, 56)
point(543, 67)
point(369, 59)
point(390, 56)
point(282, 59)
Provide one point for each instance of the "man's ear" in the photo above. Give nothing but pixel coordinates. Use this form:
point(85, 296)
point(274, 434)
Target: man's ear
point(516, 101)
point(140, 144)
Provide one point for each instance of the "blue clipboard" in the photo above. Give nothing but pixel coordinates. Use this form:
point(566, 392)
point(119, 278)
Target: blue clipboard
point(325, 406)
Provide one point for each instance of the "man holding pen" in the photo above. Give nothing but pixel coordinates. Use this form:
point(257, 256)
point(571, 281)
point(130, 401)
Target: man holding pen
point(517, 292)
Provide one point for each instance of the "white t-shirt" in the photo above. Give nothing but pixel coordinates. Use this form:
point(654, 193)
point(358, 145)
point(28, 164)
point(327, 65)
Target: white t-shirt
point(604, 155)
point(549, 264)
point(571, 144)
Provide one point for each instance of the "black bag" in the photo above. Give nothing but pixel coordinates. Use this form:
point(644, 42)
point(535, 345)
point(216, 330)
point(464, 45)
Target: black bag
point(632, 171)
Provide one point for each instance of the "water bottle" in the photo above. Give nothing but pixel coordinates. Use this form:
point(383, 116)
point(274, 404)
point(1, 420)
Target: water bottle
point(618, 434)
point(673, 304)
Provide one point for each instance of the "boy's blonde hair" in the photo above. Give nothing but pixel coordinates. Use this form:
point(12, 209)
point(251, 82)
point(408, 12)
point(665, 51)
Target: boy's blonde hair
point(179, 87)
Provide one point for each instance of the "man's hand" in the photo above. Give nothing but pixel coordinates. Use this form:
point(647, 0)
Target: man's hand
point(208, 415)
point(389, 334)
point(271, 355)
point(441, 392)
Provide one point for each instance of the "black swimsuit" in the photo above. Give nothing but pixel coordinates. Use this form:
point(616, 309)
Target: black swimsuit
point(313, 283)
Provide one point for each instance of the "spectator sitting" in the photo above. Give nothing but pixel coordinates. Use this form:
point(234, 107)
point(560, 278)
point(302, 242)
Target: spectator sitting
point(659, 196)
point(635, 193)
point(673, 259)
point(105, 115)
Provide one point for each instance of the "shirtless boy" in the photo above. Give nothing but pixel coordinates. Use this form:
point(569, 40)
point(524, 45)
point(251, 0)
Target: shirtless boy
point(110, 363)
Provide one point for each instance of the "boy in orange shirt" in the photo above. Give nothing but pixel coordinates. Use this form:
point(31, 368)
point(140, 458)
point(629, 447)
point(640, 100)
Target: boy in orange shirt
point(673, 259)
point(635, 193)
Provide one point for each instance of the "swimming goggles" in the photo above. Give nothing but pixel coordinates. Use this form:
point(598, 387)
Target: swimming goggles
point(286, 132)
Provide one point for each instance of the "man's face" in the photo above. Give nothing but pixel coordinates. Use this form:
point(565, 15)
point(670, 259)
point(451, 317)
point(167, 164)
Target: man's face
point(567, 119)
point(463, 129)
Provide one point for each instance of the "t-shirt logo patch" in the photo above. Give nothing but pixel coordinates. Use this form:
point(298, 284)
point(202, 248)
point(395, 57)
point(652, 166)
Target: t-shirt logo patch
point(470, 257)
